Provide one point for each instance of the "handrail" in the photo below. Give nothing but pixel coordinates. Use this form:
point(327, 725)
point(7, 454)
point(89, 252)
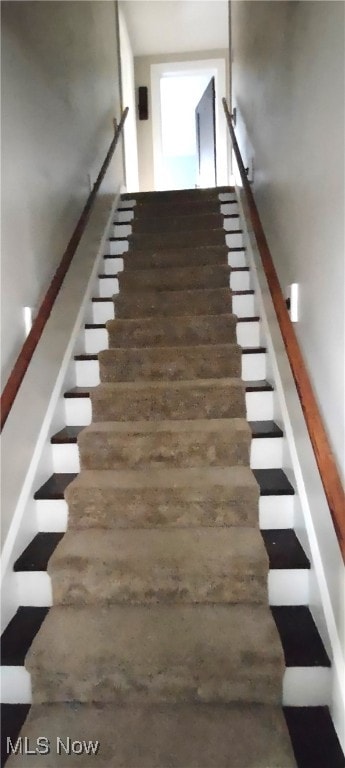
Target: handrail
point(25, 355)
point(323, 453)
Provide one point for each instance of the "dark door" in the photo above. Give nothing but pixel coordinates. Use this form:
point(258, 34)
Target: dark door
point(205, 119)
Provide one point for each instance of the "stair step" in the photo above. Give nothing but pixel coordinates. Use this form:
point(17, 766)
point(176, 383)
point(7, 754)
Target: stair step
point(12, 719)
point(272, 482)
point(188, 735)
point(139, 304)
point(159, 240)
point(134, 445)
point(300, 638)
point(259, 429)
point(171, 223)
point(169, 196)
point(205, 255)
point(184, 654)
point(174, 278)
point(283, 549)
point(313, 737)
point(19, 634)
point(170, 363)
point(156, 400)
point(162, 565)
point(182, 331)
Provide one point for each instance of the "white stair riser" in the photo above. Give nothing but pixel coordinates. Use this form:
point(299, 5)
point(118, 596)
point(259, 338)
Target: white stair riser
point(276, 512)
point(15, 685)
point(102, 311)
point(117, 247)
point(244, 305)
point(237, 259)
point(265, 453)
point(227, 197)
point(52, 515)
point(302, 686)
point(248, 334)
point(124, 217)
point(253, 369)
point(127, 203)
point(121, 230)
point(229, 208)
point(284, 588)
point(307, 686)
point(234, 240)
point(108, 287)
point(259, 405)
point(240, 281)
point(289, 586)
point(113, 265)
point(231, 224)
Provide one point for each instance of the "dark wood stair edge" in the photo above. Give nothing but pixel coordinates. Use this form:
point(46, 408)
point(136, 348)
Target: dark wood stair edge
point(85, 356)
point(267, 429)
point(282, 546)
point(250, 386)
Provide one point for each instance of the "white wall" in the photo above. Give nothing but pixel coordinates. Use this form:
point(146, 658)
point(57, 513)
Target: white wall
point(128, 98)
point(288, 87)
point(145, 129)
point(60, 92)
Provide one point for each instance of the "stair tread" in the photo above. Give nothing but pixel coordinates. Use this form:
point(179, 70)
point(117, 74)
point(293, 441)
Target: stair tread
point(19, 634)
point(12, 719)
point(300, 638)
point(168, 735)
point(259, 429)
point(313, 737)
point(284, 550)
point(245, 351)
point(97, 326)
point(287, 555)
point(271, 481)
point(36, 555)
point(249, 386)
point(184, 653)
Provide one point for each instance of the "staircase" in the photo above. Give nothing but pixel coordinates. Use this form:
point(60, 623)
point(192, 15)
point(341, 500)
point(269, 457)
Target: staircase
point(161, 643)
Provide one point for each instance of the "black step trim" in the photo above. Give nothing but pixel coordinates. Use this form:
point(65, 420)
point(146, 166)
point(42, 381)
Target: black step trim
point(284, 550)
point(55, 486)
point(273, 482)
point(19, 634)
point(13, 717)
point(265, 429)
point(313, 737)
point(37, 554)
point(250, 386)
point(302, 644)
point(66, 435)
point(245, 351)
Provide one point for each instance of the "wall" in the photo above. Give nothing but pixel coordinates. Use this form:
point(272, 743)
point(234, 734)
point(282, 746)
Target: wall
point(60, 91)
point(128, 100)
point(142, 69)
point(288, 87)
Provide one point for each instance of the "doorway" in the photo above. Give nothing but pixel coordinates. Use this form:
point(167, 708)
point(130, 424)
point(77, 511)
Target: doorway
point(176, 90)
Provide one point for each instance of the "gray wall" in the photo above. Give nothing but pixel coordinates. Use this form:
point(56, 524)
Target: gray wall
point(288, 87)
point(60, 91)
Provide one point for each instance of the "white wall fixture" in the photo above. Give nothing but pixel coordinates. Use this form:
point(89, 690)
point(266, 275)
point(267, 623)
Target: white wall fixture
point(27, 314)
point(293, 296)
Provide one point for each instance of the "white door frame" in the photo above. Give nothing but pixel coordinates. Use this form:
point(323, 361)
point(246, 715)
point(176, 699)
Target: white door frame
point(215, 68)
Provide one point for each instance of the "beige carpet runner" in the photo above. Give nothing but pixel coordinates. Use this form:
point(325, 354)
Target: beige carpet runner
point(161, 644)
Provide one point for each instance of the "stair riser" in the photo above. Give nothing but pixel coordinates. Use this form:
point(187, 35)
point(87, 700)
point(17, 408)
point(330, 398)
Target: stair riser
point(265, 453)
point(189, 331)
point(232, 240)
point(169, 403)
point(150, 210)
point(253, 368)
point(259, 405)
point(96, 339)
point(163, 449)
point(161, 281)
point(243, 306)
point(302, 686)
point(274, 512)
point(288, 587)
point(175, 239)
point(170, 223)
point(150, 260)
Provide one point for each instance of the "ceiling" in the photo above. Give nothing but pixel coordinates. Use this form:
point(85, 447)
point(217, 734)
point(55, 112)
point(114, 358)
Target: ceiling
point(176, 26)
